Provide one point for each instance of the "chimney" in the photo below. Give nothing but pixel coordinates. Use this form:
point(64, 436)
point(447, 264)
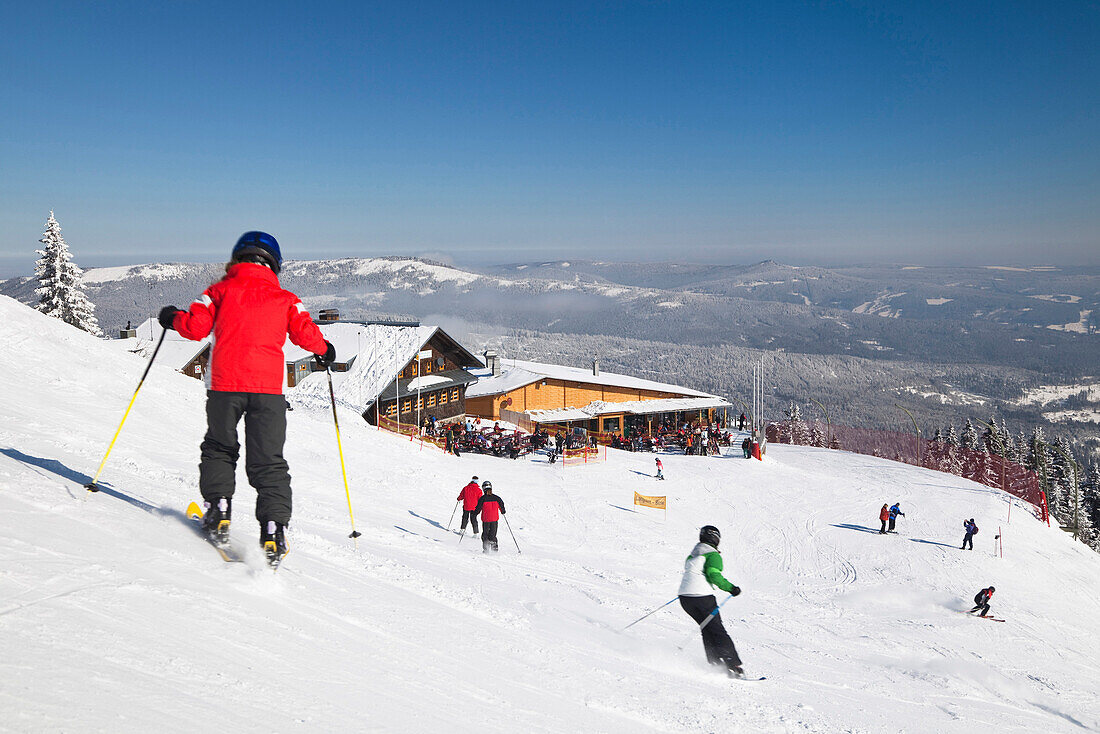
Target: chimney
point(492, 361)
point(328, 314)
point(596, 367)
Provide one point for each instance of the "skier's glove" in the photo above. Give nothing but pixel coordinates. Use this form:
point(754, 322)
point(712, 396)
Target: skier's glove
point(734, 591)
point(326, 359)
point(167, 316)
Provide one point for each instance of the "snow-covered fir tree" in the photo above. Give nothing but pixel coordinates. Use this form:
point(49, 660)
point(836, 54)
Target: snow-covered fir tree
point(1090, 501)
point(1038, 461)
point(970, 438)
point(1062, 475)
point(817, 436)
point(951, 436)
point(992, 438)
point(61, 290)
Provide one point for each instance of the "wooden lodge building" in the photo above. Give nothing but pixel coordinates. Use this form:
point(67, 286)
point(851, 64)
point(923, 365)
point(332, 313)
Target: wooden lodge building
point(540, 394)
point(398, 371)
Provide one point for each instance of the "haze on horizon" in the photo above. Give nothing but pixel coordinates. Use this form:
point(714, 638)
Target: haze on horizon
point(827, 134)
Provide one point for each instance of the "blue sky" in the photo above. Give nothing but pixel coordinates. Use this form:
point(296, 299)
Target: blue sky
point(823, 132)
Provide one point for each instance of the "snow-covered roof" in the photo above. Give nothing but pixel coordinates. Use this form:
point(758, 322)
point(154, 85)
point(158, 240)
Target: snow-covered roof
point(515, 373)
point(382, 352)
point(637, 407)
point(176, 351)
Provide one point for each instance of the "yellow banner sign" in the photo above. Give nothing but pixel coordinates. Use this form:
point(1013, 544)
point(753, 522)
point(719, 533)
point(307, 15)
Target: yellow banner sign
point(641, 499)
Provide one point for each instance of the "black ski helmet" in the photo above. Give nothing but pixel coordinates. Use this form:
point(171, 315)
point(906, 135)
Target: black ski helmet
point(487, 486)
point(261, 244)
point(710, 535)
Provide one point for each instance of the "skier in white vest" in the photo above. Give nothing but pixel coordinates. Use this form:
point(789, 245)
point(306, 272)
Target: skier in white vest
point(702, 573)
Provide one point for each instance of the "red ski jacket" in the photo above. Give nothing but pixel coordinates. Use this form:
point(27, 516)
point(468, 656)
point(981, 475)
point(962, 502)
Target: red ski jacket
point(490, 507)
point(884, 514)
point(469, 496)
point(251, 317)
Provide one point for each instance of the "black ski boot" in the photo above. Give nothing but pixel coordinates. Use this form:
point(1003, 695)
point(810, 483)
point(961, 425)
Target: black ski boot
point(273, 540)
point(215, 520)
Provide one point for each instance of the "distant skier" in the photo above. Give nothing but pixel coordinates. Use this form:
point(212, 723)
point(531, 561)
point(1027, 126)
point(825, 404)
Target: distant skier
point(490, 507)
point(746, 447)
point(703, 572)
point(884, 516)
point(469, 497)
point(981, 601)
point(971, 530)
point(251, 317)
point(660, 468)
point(895, 510)
point(741, 422)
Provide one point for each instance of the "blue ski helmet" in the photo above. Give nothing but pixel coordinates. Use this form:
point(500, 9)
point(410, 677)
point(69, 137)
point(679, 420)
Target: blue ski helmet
point(262, 244)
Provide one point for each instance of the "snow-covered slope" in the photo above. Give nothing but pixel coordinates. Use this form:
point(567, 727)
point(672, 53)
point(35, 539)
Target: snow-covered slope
point(114, 616)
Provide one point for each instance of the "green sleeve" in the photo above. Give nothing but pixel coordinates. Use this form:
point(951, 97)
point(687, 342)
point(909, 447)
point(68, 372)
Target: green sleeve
point(712, 569)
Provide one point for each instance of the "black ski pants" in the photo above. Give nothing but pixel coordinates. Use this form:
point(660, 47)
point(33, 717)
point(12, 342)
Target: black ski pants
point(892, 521)
point(489, 536)
point(716, 641)
point(264, 436)
point(983, 607)
point(471, 517)
point(968, 539)
point(882, 530)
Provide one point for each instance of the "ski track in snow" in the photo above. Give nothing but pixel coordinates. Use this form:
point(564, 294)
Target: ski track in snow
point(115, 616)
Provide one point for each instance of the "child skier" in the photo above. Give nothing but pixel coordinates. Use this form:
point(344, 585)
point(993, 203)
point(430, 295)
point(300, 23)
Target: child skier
point(251, 317)
point(490, 507)
point(971, 529)
point(660, 469)
point(981, 601)
point(703, 572)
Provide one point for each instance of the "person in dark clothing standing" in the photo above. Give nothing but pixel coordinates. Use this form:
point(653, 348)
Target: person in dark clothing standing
point(702, 574)
point(490, 507)
point(250, 316)
point(746, 447)
point(469, 497)
point(895, 510)
point(981, 601)
point(971, 529)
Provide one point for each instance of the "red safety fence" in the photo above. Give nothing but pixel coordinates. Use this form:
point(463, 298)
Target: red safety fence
point(979, 466)
point(584, 455)
point(407, 429)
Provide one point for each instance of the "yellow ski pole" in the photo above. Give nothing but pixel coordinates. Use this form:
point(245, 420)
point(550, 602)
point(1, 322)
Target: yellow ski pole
point(91, 486)
point(332, 396)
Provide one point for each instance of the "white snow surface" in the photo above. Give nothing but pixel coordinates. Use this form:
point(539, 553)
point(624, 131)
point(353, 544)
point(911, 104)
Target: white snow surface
point(115, 616)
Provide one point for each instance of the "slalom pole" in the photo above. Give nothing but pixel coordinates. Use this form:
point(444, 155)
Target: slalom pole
point(639, 619)
point(452, 516)
point(92, 486)
point(710, 618)
point(335, 421)
point(511, 533)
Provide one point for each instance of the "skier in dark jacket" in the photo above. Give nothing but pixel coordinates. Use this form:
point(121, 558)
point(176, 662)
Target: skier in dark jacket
point(884, 516)
point(981, 601)
point(971, 530)
point(746, 446)
point(702, 574)
point(895, 510)
point(469, 497)
point(490, 507)
point(251, 317)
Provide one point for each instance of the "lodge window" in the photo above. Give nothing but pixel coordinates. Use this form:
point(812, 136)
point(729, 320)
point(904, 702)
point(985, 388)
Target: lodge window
point(454, 394)
point(419, 403)
point(406, 406)
point(428, 366)
point(442, 397)
point(431, 400)
point(391, 409)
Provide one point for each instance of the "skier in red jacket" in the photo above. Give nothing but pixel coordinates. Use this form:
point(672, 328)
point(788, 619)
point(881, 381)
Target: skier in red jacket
point(469, 497)
point(883, 515)
point(251, 316)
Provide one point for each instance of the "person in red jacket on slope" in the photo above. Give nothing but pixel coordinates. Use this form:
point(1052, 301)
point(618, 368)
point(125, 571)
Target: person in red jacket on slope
point(469, 497)
point(251, 316)
point(883, 515)
point(490, 507)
